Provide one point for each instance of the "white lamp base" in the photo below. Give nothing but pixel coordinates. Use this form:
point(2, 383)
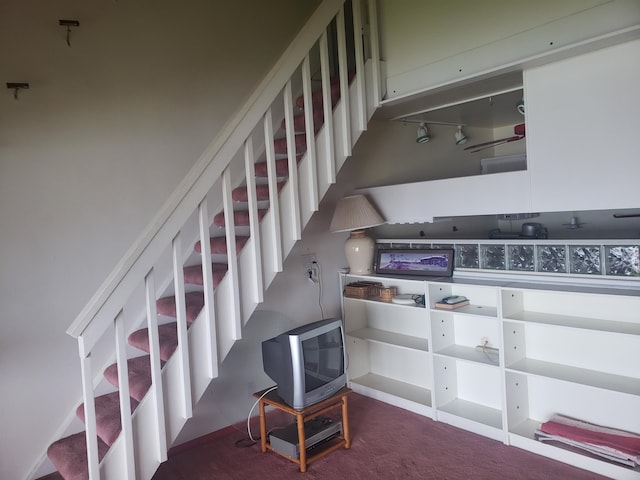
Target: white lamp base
point(359, 250)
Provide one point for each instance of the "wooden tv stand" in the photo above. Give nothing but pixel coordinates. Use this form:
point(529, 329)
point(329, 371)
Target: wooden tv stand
point(273, 399)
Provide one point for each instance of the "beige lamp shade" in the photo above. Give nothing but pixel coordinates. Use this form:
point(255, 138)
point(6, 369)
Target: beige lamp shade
point(354, 214)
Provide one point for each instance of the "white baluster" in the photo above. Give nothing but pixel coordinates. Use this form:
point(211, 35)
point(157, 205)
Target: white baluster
point(156, 373)
point(207, 282)
point(232, 257)
point(325, 73)
point(312, 180)
point(254, 223)
point(89, 413)
point(294, 199)
point(374, 44)
point(345, 110)
point(181, 317)
point(274, 205)
point(360, 75)
point(125, 396)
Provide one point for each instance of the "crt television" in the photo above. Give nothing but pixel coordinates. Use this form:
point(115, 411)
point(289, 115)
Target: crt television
point(307, 363)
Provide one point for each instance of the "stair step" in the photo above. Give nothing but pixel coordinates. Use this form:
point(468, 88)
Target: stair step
point(240, 218)
point(240, 193)
point(194, 303)
point(69, 456)
point(193, 274)
point(139, 376)
point(168, 336)
point(282, 167)
point(316, 96)
point(280, 144)
point(299, 121)
point(108, 423)
point(218, 245)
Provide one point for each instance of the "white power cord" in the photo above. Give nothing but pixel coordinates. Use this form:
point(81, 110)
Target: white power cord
point(251, 411)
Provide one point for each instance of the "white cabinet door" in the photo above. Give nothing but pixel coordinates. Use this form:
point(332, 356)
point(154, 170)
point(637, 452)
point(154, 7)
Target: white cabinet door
point(583, 122)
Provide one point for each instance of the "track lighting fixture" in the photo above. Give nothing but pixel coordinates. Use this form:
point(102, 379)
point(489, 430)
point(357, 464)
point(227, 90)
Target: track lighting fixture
point(16, 87)
point(460, 137)
point(69, 24)
point(423, 134)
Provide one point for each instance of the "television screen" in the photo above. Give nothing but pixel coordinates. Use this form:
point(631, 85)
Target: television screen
point(323, 359)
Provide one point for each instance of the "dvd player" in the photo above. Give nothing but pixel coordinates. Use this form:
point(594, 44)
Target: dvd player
point(316, 432)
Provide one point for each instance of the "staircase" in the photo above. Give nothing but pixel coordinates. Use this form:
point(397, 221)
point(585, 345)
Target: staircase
point(152, 338)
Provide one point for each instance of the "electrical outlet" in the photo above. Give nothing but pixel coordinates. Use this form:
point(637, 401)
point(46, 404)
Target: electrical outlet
point(311, 272)
point(308, 259)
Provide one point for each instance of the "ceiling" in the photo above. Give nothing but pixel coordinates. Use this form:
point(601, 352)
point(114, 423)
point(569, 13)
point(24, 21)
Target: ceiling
point(489, 103)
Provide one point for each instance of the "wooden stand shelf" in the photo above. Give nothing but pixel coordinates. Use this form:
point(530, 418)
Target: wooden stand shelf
point(302, 416)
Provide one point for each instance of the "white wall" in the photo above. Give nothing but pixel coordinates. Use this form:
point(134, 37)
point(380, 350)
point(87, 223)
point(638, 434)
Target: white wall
point(89, 153)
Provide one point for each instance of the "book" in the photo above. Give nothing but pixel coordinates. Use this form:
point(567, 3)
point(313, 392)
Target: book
point(451, 306)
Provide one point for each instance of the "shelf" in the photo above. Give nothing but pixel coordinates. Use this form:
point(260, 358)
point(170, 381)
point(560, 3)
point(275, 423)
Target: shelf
point(393, 387)
point(575, 322)
point(475, 412)
point(471, 309)
point(554, 349)
point(470, 354)
point(379, 301)
point(390, 338)
point(592, 378)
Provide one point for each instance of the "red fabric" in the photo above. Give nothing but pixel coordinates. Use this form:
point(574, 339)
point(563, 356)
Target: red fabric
point(280, 144)
point(240, 218)
point(240, 194)
point(194, 303)
point(168, 339)
point(108, 423)
point(584, 432)
point(282, 167)
point(193, 274)
point(219, 244)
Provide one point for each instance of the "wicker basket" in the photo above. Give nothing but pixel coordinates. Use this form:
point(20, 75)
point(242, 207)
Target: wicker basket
point(363, 289)
point(387, 294)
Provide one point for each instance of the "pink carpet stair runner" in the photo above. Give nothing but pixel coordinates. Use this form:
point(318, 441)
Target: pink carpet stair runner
point(69, 455)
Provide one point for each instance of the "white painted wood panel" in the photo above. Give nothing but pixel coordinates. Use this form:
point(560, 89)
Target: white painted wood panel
point(582, 126)
point(420, 202)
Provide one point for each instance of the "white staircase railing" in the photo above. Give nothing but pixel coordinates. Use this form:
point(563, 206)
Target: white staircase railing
point(153, 267)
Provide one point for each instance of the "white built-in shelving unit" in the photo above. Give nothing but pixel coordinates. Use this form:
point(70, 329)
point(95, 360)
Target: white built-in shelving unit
point(519, 353)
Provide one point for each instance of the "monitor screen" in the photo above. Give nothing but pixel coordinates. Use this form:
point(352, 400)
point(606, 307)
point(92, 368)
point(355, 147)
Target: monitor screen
point(323, 359)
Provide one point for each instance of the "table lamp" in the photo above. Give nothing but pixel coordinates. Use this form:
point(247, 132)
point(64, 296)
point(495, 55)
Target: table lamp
point(354, 214)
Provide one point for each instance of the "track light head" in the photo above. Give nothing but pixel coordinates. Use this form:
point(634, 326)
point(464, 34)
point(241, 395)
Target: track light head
point(423, 134)
point(460, 137)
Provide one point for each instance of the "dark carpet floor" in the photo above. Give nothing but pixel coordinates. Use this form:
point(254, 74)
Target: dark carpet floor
point(387, 443)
